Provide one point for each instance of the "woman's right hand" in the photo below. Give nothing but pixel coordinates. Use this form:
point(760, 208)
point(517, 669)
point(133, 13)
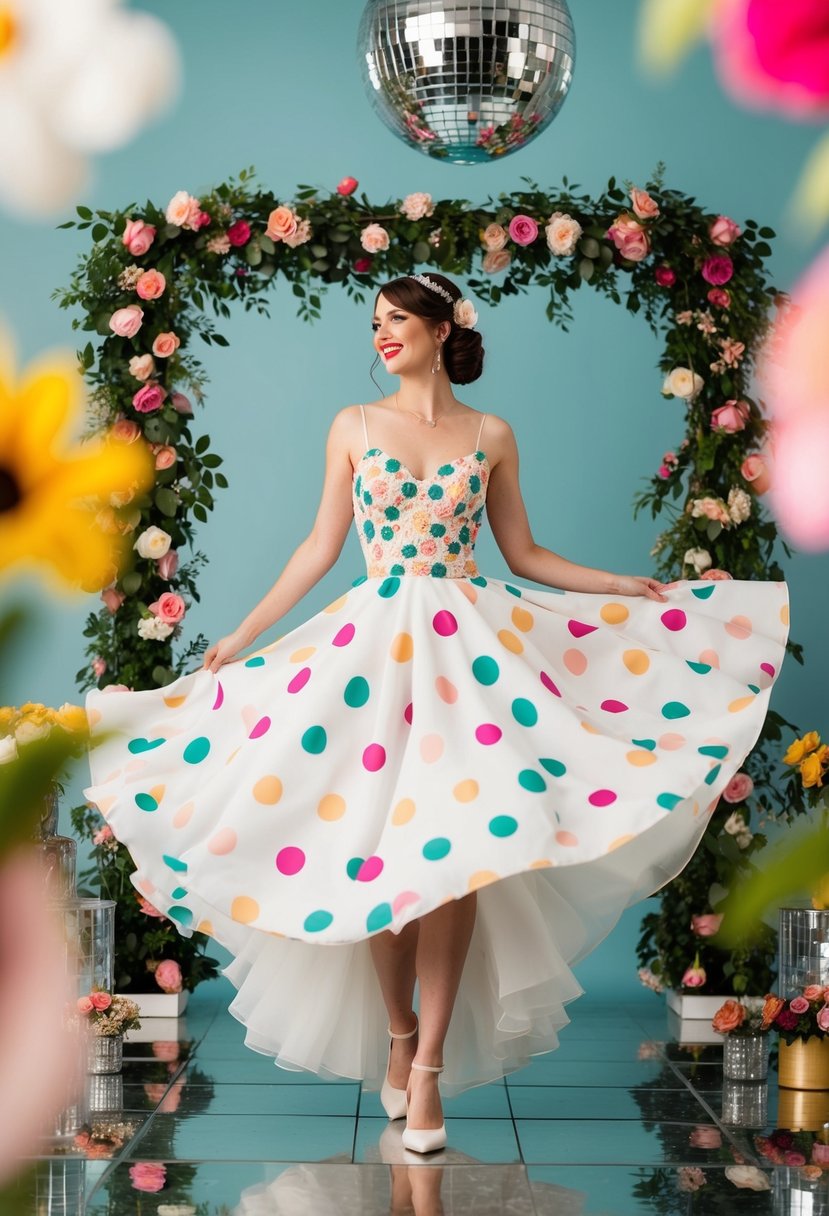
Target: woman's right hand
point(224, 650)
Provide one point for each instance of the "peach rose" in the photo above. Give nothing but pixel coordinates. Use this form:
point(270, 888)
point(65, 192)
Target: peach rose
point(755, 470)
point(771, 1007)
point(169, 607)
point(813, 992)
point(711, 508)
point(417, 206)
point(125, 430)
point(167, 565)
point(151, 285)
point(165, 457)
point(643, 205)
point(630, 238)
point(563, 234)
point(724, 231)
point(112, 598)
point(84, 1004)
point(494, 237)
point(739, 788)
point(138, 237)
point(100, 1000)
point(126, 322)
point(281, 223)
point(495, 261)
point(714, 575)
point(301, 236)
point(705, 1137)
point(142, 366)
point(728, 1017)
point(373, 238)
point(180, 209)
point(165, 344)
point(149, 909)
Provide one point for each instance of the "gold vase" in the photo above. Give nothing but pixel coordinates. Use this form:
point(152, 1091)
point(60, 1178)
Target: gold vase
point(804, 1064)
point(801, 1110)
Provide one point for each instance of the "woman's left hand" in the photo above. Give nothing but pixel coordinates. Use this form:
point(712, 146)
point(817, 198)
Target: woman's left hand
point(631, 584)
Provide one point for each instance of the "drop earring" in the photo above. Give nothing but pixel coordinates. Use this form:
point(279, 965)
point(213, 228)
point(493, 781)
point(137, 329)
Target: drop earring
point(436, 362)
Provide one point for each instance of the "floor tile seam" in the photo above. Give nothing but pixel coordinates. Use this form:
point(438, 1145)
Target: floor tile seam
point(725, 1128)
point(126, 1152)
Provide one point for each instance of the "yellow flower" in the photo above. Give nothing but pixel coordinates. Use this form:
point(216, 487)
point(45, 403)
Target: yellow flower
point(820, 895)
point(8, 717)
point(811, 771)
point(801, 747)
point(72, 718)
point(51, 487)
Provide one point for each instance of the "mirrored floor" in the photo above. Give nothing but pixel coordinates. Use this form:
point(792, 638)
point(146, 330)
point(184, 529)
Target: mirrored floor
point(624, 1119)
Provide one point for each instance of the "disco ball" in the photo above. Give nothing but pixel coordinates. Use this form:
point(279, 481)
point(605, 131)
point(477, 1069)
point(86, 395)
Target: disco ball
point(462, 81)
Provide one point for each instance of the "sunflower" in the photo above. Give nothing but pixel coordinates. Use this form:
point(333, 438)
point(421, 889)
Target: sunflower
point(51, 489)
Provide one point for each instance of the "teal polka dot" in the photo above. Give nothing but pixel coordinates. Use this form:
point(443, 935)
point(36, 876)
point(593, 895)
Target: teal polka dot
point(183, 915)
point(378, 917)
point(136, 746)
point(668, 801)
point(392, 513)
point(555, 767)
point(179, 893)
point(701, 668)
point(446, 470)
point(358, 483)
point(314, 740)
point(503, 825)
point(392, 465)
point(754, 687)
point(356, 692)
point(436, 848)
point(257, 661)
point(368, 528)
point(463, 535)
point(512, 590)
point(435, 492)
point(438, 529)
point(387, 532)
point(409, 550)
point(485, 669)
point(479, 580)
point(703, 593)
point(474, 483)
point(650, 744)
point(398, 569)
point(368, 497)
point(175, 863)
point(352, 867)
point(361, 578)
point(675, 709)
point(530, 780)
point(454, 546)
point(524, 712)
point(459, 509)
point(196, 751)
point(718, 751)
point(388, 587)
point(315, 921)
point(480, 455)
point(438, 570)
point(711, 777)
point(146, 802)
point(408, 489)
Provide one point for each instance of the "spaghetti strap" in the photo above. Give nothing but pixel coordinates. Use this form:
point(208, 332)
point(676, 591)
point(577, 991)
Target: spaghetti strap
point(365, 431)
point(480, 429)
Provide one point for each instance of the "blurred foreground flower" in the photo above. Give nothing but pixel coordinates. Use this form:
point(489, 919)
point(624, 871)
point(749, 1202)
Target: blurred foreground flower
point(75, 79)
point(51, 494)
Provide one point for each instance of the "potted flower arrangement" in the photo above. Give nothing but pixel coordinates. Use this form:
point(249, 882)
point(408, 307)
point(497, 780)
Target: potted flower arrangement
point(745, 1043)
point(803, 1025)
point(107, 1018)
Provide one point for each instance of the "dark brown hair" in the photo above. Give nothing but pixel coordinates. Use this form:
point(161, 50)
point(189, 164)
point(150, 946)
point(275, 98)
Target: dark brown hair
point(463, 350)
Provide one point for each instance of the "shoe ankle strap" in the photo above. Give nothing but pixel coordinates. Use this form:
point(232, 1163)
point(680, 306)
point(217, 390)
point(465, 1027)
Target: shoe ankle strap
point(429, 1067)
point(407, 1035)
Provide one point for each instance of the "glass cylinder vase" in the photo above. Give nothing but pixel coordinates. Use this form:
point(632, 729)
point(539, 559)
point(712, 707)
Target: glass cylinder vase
point(105, 1053)
point(745, 1103)
point(90, 941)
point(803, 949)
point(745, 1057)
point(105, 1092)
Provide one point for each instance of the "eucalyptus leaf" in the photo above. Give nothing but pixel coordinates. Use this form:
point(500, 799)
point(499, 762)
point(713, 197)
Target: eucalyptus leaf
point(166, 500)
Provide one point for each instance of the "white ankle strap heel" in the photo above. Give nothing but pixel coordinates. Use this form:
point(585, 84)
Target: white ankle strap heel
point(394, 1100)
point(425, 1139)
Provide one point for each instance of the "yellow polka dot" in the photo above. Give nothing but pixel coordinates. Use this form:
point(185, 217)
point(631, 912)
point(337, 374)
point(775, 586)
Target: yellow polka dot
point(402, 648)
point(331, 807)
point(157, 792)
point(93, 717)
point(103, 805)
point(268, 790)
point(431, 748)
point(466, 790)
point(740, 703)
point(522, 619)
point(613, 613)
point(619, 841)
point(469, 591)
point(567, 839)
point(446, 690)
point(244, 909)
point(336, 605)
point(510, 641)
point(640, 758)
point(304, 652)
point(204, 926)
point(636, 661)
point(481, 878)
point(183, 815)
point(232, 755)
point(403, 812)
point(590, 728)
point(784, 614)
point(174, 702)
point(542, 863)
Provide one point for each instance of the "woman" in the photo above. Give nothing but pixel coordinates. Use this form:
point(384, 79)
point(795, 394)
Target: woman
point(443, 778)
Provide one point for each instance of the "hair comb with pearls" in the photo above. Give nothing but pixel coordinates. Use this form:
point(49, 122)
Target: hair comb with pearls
point(463, 310)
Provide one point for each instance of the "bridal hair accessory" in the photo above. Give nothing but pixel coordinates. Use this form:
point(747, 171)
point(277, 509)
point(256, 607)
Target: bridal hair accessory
point(463, 310)
point(432, 285)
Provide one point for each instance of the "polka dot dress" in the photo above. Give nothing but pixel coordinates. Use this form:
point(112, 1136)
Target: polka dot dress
point(429, 733)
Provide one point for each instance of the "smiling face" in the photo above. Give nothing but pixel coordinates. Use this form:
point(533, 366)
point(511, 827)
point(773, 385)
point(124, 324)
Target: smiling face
point(404, 341)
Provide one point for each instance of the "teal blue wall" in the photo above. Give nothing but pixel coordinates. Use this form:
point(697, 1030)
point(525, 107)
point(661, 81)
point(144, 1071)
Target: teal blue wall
point(276, 86)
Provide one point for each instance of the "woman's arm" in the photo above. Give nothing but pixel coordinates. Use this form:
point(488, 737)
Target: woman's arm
point(507, 516)
point(312, 558)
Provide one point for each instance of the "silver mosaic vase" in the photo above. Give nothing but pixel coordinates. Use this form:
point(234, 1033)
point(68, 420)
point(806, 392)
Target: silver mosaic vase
point(745, 1103)
point(745, 1057)
point(105, 1053)
point(795, 1195)
point(105, 1092)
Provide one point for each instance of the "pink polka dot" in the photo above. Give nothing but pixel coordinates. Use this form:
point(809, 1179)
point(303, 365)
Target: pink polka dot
point(579, 629)
point(739, 627)
point(300, 679)
point(602, 798)
point(487, 733)
point(575, 661)
point(444, 623)
point(767, 668)
point(567, 839)
point(674, 619)
point(220, 695)
point(261, 728)
point(344, 635)
point(671, 742)
point(371, 867)
point(374, 757)
point(614, 707)
point(446, 690)
point(407, 713)
point(548, 683)
point(290, 860)
point(223, 842)
point(710, 657)
point(403, 900)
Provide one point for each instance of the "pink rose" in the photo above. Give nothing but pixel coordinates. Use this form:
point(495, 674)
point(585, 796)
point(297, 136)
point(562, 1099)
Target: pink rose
point(100, 1000)
point(347, 186)
point(165, 344)
point(417, 206)
point(730, 417)
point(813, 992)
point(169, 607)
point(823, 1018)
point(201, 219)
point(138, 236)
point(665, 276)
point(706, 925)
point(99, 666)
point(362, 265)
point(705, 1137)
point(793, 1158)
point(739, 788)
point(112, 598)
point(820, 1153)
point(496, 260)
point(719, 297)
point(643, 205)
point(717, 269)
point(281, 223)
point(715, 574)
point(799, 1005)
point(84, 1004)
point(181, 404)
point(151, 285)
point(663, 471)
point(523, 229)
point(694, 976)
point(165, 456)
point(724, 231)
point(239, 233)
point(103, 835)
point(373, 238)
point(166, 1049)
point(126, 322)
point(630, 238)
point(168, 975)
point(149, 398)
point(167, 565)
point(171, 1100)
point(755, 470)
point(494, 237)
point(125, 430)
point(148, 1176)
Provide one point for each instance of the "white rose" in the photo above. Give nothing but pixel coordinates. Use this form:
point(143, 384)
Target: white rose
point(27, 732)
point(747, 1176)
point(700, 559)
point(153, 542)
point(465, 314)
point(416, 206)
point(176, 1209)
point(739, 504)
point(735, 825)
point(142, 366)
point(682, 382)
point(8, 749)
point(563, 233)
point(154, 629)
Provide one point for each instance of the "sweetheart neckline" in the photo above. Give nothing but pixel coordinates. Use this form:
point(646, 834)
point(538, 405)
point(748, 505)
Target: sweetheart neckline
point(419, 480)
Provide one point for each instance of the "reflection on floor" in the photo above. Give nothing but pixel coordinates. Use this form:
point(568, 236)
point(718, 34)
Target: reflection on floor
point(620, 1121)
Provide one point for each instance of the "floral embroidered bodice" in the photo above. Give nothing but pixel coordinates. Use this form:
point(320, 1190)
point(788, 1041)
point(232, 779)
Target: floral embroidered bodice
point(411, 525)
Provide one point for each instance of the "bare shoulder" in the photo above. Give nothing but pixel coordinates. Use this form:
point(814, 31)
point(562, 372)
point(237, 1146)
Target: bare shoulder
point(345, 434)
point(498, 439)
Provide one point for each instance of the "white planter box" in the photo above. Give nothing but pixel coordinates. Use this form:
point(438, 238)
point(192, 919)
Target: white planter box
point(152, 1030)
point(160, 1004)
point(696, 1007)
point(690, 1032)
